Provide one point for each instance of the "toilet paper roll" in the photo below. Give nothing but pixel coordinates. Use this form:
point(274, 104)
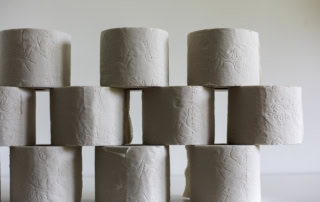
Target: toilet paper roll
point(34, 58)
point(223, 57)
point(178, 115)
point(45, 173)
point(265, 115)
point(90, 116)
point(132, 173)
point(17, 116)
point(134, 57)
point(186, 192)
point(225, 173)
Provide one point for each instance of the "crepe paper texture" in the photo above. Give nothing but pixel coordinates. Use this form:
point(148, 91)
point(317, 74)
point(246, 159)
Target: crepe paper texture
point(17, 116)
point(132, 173)
point(223, 57)
point(35, 58)
point(89, 116)
point(134, 57)
point(45, 174)
point(265, 115)
point(178, 115)
point(229, 173)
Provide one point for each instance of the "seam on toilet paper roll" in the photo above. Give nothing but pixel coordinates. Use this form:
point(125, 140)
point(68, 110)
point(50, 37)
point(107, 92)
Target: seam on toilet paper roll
point(89, 116)
point(143, 173)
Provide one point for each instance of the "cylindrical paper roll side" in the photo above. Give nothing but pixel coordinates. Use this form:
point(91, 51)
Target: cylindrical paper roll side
point(18, 116)
point(134, 58)
point(265, 115)
point(89, 116)
point(45, 173)
point(132, 173)
point(224, 173)
point(178, 115)
point(223, 58)
point(35, 58)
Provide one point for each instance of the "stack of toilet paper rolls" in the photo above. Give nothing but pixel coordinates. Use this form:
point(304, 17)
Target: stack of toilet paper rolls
point(137, 58)
point(257, 115)
point(31, 60)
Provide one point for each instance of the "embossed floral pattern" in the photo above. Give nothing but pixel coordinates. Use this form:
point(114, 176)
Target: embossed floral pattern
point(134, 57)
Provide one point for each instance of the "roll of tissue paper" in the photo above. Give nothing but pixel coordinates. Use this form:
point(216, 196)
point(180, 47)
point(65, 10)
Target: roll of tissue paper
point(223, 57)
point(224, 173)
point(45, 174)
point(178, 115)
point(134, 57)
point(18, 116)
point(89, 116)
point(132, 173)
point(265, 115)
point(34, 58)
point(186, 192)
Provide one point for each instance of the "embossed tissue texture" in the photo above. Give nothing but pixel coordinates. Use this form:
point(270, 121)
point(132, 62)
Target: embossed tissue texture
point(265, 115)
point(17, 116)
point(178, 115)
point(45, 174)
point(132, 173)
point(134, 57)
point(225, 173)
point(223, 58)
point(34, 58)
point(90, 116)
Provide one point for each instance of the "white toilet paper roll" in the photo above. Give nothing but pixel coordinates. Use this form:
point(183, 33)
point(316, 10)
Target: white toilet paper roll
point(223, 58)
point(17, 116)
point(224, 173)
point(265, 115)
point(178, 115)
point(186, 192)
point(90, 116)
point(45, 174)
point(34, 58)
point(134, 57)
point(132, 173)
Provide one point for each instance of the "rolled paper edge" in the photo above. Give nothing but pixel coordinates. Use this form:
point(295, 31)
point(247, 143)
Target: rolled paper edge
point(186, 192)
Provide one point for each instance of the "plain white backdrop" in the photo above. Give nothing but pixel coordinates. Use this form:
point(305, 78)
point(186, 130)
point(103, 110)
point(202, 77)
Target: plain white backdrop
point(290, 52)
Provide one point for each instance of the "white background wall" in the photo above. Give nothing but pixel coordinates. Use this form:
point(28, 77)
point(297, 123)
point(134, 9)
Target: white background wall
point(290, 49)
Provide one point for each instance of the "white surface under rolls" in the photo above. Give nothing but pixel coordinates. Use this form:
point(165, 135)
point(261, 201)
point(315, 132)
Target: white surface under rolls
point(178, 115)
point(90, 116)
point(223, 58)
point(226, 173)
point(134, 57)
point(45, 174)
point(34, 58)
point(265, 115)
point(18, 116)
point(132, 173)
